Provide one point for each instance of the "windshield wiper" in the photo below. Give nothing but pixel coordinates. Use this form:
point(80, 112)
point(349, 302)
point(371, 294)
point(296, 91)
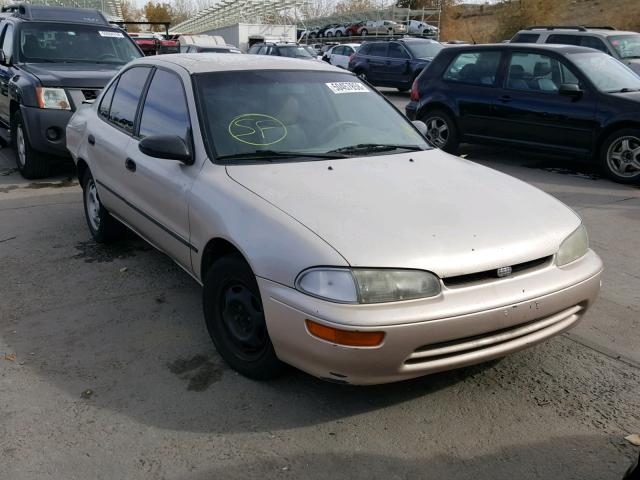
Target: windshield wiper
point(270, 154)
point(625, 90)
point(375, 147)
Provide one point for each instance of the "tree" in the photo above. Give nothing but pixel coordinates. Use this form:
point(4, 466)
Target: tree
point(158, 12)
point(344, 6)
point(130, 14)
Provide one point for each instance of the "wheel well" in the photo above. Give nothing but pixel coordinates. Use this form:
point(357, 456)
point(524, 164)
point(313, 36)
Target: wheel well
point(438, 106)
point(215, 249)
point(609, 130)
point(81, 167)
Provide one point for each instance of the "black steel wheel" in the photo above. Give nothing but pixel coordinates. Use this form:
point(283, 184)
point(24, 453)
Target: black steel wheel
point(236, 321)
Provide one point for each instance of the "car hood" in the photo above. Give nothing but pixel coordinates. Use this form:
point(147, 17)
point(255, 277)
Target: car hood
point(422, 210)
point(75, 75)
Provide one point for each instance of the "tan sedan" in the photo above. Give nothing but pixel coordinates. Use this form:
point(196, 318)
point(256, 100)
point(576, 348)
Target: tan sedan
point(325, 231)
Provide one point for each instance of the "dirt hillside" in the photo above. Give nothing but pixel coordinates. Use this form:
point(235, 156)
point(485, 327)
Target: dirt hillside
point(494, 23)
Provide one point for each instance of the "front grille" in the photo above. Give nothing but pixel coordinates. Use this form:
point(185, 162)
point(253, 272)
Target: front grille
point(497, 339)
point(493, 274)
point(90, 94)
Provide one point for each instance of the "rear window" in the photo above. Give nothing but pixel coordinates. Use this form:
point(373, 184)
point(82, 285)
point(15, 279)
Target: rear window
point(479, 68)
point(525, 38)
point(564, 39)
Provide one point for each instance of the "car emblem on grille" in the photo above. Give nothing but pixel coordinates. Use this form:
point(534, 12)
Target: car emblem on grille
point(504, 272)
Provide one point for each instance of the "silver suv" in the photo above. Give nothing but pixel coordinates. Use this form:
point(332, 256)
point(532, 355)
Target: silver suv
point(624, 46)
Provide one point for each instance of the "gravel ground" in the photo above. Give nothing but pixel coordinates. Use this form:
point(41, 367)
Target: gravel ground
point(106, 370)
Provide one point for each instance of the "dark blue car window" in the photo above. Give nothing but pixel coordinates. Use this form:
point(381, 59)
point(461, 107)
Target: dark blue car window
point(160, 117)
point(478, 68)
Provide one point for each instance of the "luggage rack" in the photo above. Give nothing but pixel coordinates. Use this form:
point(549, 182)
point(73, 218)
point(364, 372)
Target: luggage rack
point(580, 28)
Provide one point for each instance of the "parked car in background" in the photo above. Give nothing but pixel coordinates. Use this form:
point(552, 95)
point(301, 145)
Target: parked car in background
point(208, 49)
point(52, 60)
point(337, 31)
point(167, 45)
point(625, 46)
point(313, 32)
point(382, 27)
point(339, 55)
point(266, 204)
point(147, 41)
point(292, 50)
point(354, 29)
point(565, 99)
point(416, 27)
point(324, 49)
point(322, 32)
point(393, 63)
point(310, 49)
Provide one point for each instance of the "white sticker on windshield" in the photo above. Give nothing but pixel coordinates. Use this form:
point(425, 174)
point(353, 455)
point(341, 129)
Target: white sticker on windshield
point(347, 87)
point(111, 34)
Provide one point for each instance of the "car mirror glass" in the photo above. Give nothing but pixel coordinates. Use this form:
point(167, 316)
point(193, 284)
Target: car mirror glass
point(169, 147)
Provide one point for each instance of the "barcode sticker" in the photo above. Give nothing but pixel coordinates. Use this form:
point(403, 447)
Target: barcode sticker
point(347, 87)
point(111, 34)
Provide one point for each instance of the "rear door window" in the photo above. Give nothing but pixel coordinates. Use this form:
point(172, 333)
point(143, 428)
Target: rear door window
point(105, 103)
point(594, 42)
point(525, 38)
point(7, 42)
point(564, 39)
point(126, 98)
point(479, 68)
point(378, 49)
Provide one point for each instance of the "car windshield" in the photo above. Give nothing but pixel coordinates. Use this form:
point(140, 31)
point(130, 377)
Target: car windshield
point(50, 42)
point(607, 73)
point(424, 49)
point(294, 51)
point(248, 111)
point(627, 46)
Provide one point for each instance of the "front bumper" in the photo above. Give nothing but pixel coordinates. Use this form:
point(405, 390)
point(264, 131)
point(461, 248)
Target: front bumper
point(38, 121)
point(462, 326)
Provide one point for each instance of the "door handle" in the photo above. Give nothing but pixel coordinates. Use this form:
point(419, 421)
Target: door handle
point(91, 139)
point(505, 98)
point(130, 164)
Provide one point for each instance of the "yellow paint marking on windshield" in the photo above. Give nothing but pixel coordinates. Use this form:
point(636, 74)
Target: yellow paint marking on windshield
point(257, 129)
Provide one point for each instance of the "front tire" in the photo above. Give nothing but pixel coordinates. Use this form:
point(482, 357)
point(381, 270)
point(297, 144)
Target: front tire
point(103, 227)
point(31, 163)
point(620, 156)
point(364, 32)
point(235, 319)
point(442, 131)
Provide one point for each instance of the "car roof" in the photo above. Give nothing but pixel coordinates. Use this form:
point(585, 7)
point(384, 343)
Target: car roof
point(605, 32)
point(556, 47)
point(196, 63)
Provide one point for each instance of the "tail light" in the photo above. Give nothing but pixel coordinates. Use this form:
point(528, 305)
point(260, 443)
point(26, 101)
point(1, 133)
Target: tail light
point(415, 96)
point(351, 57)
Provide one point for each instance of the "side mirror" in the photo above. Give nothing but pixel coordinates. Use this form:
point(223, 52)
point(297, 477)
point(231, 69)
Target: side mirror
point(421, 126)
point(170, 147)
point(570, 90)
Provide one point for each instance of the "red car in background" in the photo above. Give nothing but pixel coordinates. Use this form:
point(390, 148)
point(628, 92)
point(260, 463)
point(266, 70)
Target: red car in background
point(154, 43)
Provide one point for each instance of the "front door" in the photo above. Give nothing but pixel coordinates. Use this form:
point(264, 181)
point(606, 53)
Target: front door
point(159, 188)
point(529, 108)
point(6, 45)
point(376, 56)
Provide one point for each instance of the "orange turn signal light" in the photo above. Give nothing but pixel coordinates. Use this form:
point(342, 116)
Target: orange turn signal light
point(345, 337)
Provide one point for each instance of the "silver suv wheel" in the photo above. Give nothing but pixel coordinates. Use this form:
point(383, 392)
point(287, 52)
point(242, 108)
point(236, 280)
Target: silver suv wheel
point(623, 156)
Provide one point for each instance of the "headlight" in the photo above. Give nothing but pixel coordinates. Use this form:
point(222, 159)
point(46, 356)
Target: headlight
point(55, 98)
point(363, 285)
point(573, 247)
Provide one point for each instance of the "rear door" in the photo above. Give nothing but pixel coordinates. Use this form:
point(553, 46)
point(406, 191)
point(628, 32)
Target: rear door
point(376, 60)
point(530, 110)
point(109, 134)
point(471, 79)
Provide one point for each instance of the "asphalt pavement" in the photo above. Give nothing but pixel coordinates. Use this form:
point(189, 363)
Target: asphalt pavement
point(106, 369)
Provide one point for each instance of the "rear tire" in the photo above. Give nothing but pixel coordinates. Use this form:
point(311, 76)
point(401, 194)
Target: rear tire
point(31, 163)
point(620, 156)
point(442, 131)
point(364, 32)
point(103, 227)
point(235, 319)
